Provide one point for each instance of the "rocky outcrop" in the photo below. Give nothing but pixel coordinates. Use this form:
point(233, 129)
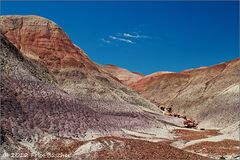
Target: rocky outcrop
point(209, 95)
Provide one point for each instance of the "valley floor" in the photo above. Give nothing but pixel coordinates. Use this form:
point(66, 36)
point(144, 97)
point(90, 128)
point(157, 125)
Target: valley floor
point(187, 144)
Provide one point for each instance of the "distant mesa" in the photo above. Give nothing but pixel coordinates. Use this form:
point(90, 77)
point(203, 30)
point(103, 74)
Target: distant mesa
point(125, 76)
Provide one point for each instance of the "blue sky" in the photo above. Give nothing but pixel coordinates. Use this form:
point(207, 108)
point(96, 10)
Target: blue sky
point(145, 36)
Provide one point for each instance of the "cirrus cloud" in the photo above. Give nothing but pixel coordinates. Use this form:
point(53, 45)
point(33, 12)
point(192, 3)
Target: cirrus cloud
point(121, 39)
point(129, 35)
point(124, 37)
point(105, 41)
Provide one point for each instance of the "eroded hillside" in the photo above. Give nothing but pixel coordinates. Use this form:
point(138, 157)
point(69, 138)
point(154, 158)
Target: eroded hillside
point(55, 101)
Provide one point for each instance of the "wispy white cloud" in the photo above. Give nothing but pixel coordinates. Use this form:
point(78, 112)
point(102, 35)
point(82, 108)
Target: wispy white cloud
point(129, 35)
point(125, 37)
point(121, 39)
point(105, 41)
